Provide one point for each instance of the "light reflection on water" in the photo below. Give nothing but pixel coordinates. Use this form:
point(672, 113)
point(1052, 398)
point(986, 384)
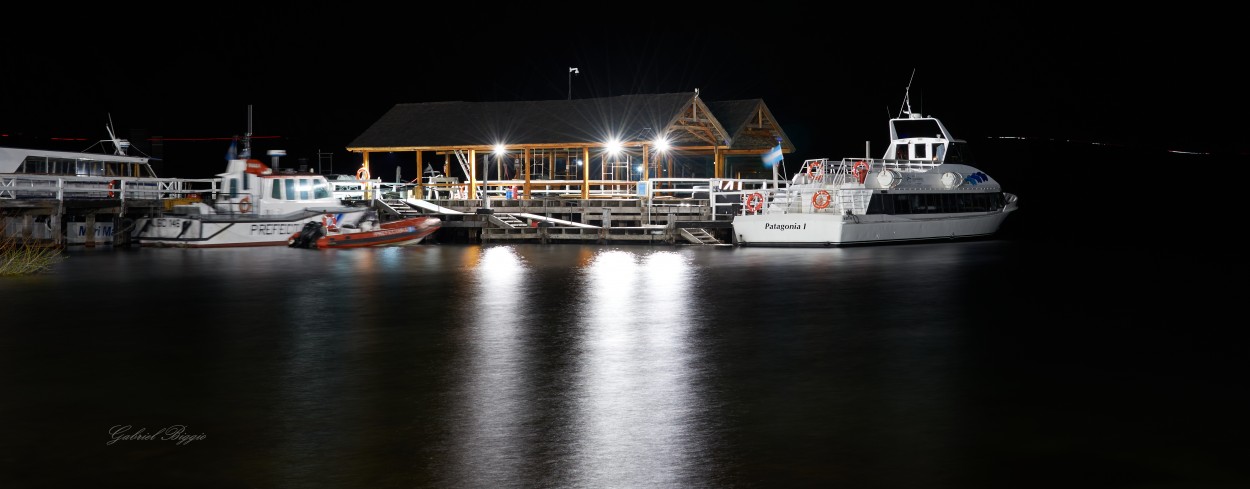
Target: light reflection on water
point(579, 366)
point(637, 404)
point(493, 414)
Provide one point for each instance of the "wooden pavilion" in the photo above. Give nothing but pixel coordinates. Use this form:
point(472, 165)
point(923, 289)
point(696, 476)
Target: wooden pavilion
point(557, 143)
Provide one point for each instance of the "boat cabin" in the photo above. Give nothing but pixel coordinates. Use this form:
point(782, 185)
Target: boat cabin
point(65, 163)
point(249, 186)
point(919, 138)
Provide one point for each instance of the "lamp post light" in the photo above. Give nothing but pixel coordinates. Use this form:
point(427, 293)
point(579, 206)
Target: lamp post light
point(500, 151)
point(661, 145)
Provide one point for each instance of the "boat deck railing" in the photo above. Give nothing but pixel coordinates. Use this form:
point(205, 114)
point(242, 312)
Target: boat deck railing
point(62, 187)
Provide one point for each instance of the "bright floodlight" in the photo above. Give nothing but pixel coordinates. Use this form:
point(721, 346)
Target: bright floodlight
point(499, 150)
point(661, 145)
point(613, 146)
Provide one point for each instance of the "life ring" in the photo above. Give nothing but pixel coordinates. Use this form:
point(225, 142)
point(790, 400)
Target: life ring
point(860, 170)
point(755, 202)
point(110, 189)
point(362, 173)
point(821, 199)
point(813, 170)
point(245, 205)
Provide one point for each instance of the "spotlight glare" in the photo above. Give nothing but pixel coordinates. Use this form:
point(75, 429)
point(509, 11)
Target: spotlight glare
point(661, 145)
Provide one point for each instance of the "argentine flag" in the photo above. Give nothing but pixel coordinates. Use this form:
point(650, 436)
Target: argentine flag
point(772, 156)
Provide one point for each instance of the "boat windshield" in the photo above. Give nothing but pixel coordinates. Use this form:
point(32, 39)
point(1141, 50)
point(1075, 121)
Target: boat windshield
point(916, 128)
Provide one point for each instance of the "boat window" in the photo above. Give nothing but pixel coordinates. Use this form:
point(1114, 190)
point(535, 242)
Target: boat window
point(958, 153)
point(935, 203)
point(234, 188)
point(276, 193)
point(938, 150)
point(303, 189)
point(874, 204)
point(290, 188)
point(321, 189)
point(902, 204)
point(32, 165)
point(919, 151)
point(900, 152)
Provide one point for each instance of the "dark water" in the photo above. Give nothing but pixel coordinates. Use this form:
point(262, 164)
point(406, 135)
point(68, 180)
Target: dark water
point(1001, 363)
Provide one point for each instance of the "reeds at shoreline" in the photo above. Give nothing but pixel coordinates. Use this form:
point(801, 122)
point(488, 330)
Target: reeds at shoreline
point(24, 257)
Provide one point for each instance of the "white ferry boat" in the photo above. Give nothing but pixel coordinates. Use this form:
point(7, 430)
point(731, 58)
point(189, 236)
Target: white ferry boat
point(44, 174)
point(253, 206)
point(922, 189)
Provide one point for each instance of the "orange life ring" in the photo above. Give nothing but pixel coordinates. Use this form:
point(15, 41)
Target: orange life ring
point(860, 170)
point(813, 170)
point(755, 202)
point(110, 189)
point(362, 173)
point(821, 199)
point(245, 205)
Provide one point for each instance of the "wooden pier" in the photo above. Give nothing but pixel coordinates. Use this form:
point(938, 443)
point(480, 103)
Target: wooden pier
point(687, 221)
point(88, 211)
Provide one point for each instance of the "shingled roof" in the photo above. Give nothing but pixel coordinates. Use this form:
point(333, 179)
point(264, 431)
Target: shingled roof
point(629, 118)
point(750, 124)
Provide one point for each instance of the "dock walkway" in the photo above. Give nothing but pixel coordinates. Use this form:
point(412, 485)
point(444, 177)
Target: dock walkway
point(97, 210)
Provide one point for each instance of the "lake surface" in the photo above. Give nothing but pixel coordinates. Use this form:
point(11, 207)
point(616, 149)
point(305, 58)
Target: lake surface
point(997, 363)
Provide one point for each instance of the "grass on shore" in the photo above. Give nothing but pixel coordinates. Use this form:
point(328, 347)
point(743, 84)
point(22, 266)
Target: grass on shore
point(21, 257)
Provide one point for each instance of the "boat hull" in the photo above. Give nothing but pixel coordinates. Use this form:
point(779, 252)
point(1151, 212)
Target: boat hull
point(403, 232)
point(218, 232)
point(829, 229)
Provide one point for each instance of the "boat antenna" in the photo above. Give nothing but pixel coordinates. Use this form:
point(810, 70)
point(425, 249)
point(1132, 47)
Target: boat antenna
point(119, 145)
point(906, 108)
point(247, 136)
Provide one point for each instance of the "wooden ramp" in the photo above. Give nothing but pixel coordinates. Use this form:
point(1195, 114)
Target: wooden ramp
point(700, 236)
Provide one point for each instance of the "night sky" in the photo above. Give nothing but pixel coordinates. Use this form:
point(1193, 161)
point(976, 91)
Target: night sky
point(318, 76)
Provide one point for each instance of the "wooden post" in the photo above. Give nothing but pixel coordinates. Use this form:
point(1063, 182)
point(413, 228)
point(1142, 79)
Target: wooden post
point(646, 165)
point(472, 174)
point(447, 164)
point(585, 173)
point(90, 243)
point(525, 192)
point(716, 163)
point(28, 226)
point(56, 220)
point(420, 181)
point(365, 165)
